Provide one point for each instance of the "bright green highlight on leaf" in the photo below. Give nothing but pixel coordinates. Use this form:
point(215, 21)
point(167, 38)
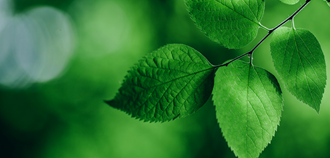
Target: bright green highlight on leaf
point(248, 104)
point(291, 2)
point(171, 82)
point(299, 61)
point(328, 2)
point(232, 23)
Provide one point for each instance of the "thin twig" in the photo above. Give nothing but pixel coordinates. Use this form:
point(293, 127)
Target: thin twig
point(263, 39)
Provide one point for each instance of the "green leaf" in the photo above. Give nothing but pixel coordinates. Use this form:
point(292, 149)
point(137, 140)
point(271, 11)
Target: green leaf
point(171, 82)
point(291, 2)
point(248, 104)
point(299, 61)
point(232, 23)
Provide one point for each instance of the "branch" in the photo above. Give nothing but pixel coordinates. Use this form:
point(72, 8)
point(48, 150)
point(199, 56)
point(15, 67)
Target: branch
point(291, 17)
point(269, 32)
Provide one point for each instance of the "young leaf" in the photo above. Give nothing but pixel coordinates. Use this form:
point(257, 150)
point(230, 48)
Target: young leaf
point(299, 61)
point(291, 2)
point(232, 23)
point(248, 102)
point(171, 82)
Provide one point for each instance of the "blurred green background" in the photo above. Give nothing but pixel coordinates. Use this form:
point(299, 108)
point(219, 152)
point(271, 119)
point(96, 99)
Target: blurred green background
point(63, 114)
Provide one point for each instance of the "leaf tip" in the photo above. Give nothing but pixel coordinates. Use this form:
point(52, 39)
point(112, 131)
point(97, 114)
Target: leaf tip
point(317, 110)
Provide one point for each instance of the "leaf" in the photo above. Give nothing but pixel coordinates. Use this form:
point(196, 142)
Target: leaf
point(232, 23)
point(248, 104)
point(290, 2)
point(299, 61)
point(171, 82)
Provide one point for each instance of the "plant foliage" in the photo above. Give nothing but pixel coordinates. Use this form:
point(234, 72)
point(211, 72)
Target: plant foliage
point(248, 102)
point(291, 2)
point(176, 80)
point(300, 62)
point(232, 23)
point(173, 81)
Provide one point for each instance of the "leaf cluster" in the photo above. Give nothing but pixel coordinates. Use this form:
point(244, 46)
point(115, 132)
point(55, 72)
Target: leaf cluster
point(176, 80)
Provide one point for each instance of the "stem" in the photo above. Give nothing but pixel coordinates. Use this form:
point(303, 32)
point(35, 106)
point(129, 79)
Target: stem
point(263, 39)
point(226, 64)
point(292, 16)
